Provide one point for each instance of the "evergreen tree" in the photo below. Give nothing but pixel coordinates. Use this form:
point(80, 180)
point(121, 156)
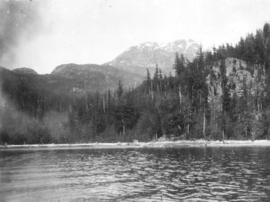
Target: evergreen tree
point(179, 64)
point(225, 97)
point(120, 90)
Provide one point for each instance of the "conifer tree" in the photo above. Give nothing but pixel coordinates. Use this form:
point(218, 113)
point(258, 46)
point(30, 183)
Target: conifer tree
point(179, 64)
point(120, 90)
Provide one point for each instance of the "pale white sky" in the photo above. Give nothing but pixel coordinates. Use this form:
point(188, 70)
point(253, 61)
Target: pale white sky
point(96, 31)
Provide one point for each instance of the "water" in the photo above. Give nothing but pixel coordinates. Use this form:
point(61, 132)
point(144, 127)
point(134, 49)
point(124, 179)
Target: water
point(186, 174)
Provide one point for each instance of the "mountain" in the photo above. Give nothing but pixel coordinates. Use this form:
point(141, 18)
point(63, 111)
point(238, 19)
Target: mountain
point(68, 79)
point(151, 54)
point(92, 77)
point(25, 70)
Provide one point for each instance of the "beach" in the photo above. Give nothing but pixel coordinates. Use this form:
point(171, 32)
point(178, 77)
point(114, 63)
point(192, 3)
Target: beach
point(152, 144)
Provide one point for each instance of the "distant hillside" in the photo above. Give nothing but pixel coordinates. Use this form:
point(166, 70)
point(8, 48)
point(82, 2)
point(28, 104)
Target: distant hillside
point(92, 77)
point(68, 79)
point(151, 54)
point(25, 70)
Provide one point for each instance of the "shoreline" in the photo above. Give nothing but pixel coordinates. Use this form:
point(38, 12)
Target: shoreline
point(134, 145)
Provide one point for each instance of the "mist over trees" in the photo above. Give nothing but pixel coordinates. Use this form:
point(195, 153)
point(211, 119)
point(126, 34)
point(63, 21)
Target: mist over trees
point(221, 94)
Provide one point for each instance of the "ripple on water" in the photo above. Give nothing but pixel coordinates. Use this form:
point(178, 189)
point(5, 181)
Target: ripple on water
point(191, 174)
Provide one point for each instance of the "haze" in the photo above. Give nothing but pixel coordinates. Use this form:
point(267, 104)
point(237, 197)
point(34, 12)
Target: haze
point(96, 31)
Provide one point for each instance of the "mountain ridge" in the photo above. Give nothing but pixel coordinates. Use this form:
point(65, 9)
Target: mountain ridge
point(149, 55)
point(99, 74)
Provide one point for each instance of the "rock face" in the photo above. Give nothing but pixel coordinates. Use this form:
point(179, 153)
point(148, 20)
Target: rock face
point(240, 77)
point(151, 54)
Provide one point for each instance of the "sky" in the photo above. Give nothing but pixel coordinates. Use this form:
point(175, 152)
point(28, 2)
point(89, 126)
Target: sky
point(96, 31)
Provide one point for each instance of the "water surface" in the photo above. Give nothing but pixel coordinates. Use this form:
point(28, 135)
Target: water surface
point(191, 174)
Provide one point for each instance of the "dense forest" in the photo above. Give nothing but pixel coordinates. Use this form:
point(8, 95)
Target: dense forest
point(221, 94)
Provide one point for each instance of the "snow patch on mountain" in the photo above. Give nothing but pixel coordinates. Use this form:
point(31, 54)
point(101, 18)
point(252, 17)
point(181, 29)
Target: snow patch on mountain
point(149, 55)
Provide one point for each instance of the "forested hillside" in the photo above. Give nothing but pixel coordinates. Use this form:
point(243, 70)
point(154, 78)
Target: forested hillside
point(221, 94)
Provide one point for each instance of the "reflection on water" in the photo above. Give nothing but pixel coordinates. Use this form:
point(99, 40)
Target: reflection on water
point(192, 174)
